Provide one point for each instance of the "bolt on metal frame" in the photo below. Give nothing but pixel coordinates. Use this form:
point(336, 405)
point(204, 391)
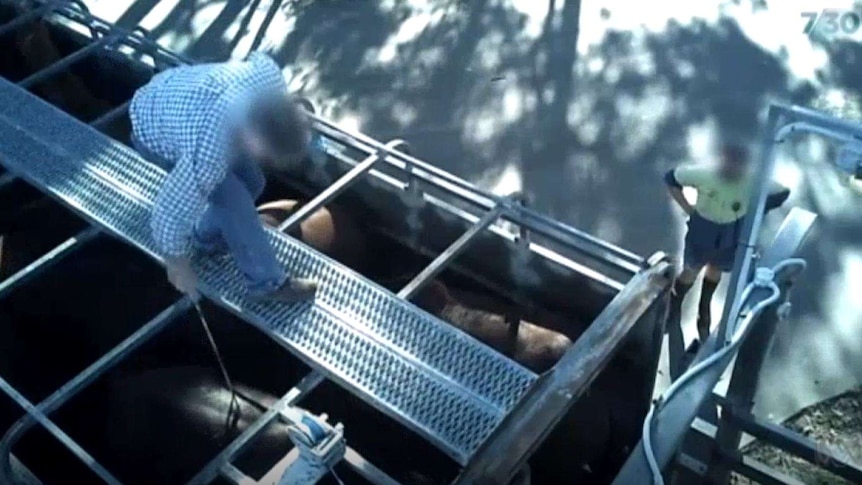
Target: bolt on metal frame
point(494, 207)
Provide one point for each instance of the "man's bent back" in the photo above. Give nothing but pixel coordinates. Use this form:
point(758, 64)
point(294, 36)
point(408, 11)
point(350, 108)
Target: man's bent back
point(212, 126)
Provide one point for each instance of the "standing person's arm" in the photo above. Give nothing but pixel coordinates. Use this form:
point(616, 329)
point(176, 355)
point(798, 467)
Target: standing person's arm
point(778, 195)
point(676, 179)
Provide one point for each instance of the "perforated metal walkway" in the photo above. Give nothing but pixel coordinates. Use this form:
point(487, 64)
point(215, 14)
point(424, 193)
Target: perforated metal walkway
point(441, 383)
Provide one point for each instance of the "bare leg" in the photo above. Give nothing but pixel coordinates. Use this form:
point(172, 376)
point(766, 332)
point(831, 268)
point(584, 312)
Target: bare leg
point(711, 278)
point(683, 283)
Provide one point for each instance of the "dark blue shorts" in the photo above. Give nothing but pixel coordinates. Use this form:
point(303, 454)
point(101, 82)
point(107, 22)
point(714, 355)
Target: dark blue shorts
point(707, 242)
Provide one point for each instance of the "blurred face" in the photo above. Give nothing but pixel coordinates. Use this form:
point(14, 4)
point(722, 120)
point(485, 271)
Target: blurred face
point(734, 163)
point(255, 146)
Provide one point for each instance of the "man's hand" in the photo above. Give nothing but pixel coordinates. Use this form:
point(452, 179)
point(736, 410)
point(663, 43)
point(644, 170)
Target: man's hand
point(182, 276)
point(679, 197)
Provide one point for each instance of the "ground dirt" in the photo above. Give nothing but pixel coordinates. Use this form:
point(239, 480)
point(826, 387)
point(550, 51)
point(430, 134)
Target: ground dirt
point(835, 424)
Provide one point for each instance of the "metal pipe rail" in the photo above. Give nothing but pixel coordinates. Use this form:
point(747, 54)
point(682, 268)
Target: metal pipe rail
point(795, 444)
point(68, 61)
point(439, 264)
point(111, 115)
point(571, 238)
point(47, 260)
point(702, 435)
point(86, 377)
point(338, 187)
point(58, 433)
point(410, 166)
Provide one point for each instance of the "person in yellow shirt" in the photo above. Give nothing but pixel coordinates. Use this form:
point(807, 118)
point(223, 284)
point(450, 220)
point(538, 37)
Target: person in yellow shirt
point(714, 224)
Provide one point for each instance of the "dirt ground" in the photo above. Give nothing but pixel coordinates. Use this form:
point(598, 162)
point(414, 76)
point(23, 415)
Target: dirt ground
point(836, 424)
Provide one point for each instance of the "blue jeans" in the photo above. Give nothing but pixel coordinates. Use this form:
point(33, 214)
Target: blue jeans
point(231, 224)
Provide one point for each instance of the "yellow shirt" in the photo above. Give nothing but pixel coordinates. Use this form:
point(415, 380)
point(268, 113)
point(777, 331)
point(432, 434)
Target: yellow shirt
point(718, 200)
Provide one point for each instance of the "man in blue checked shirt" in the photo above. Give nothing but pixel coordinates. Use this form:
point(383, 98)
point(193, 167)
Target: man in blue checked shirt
point(212, 126)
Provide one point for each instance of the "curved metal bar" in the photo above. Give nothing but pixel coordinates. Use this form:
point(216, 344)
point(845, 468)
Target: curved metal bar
point(58, 433)
point(79, 382)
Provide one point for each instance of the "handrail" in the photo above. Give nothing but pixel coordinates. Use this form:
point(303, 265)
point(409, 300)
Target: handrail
point(565, 234)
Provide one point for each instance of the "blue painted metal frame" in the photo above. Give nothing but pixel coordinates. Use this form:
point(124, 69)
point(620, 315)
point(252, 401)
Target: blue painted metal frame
point(212, 470)
point(674, 417)
point(70, 389)
point(47, 260)
point(58, 433)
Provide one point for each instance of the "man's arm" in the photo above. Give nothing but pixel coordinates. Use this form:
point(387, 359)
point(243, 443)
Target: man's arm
point(177, 208)
point(674, 187)
point(184, 194)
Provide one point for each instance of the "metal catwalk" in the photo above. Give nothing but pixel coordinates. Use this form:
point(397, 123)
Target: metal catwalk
point(459, 394)
point(381, 346)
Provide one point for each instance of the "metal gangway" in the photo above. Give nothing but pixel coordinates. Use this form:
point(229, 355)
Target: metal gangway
point(685, 439)
point(370, 341)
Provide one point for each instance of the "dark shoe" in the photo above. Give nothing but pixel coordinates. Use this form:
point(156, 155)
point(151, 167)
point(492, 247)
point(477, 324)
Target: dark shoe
point(294, 290)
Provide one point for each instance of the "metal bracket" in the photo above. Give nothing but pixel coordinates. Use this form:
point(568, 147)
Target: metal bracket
point(320, 447)
point(217, 464)
point(447, 256)
point(337, 188)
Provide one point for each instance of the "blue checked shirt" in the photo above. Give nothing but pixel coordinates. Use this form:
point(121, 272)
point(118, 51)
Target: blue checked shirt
point(183, 116)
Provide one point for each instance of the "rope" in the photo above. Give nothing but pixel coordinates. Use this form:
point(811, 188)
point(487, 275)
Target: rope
point(234, 403)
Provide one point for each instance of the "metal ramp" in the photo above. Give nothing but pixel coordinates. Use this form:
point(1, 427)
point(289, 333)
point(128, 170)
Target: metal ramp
point(452, 390)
